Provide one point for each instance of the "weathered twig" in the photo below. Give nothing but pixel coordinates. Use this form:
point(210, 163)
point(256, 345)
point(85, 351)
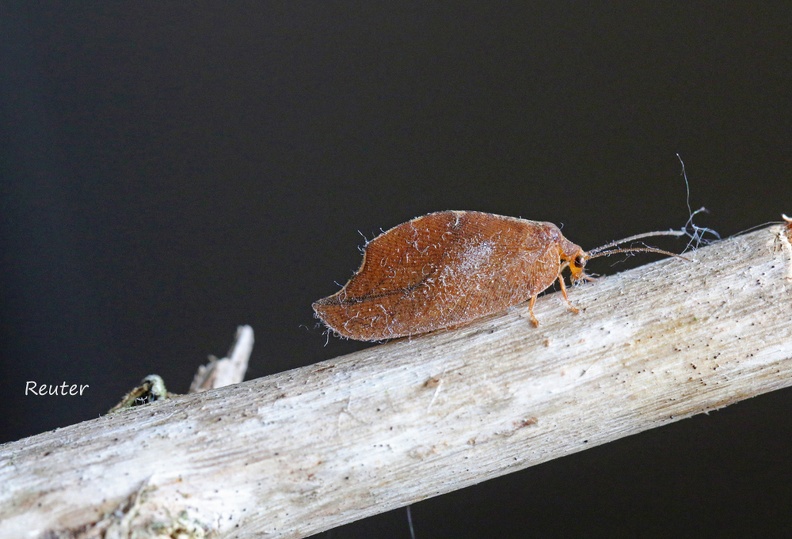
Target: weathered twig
point(228, 370)
point(305, 450)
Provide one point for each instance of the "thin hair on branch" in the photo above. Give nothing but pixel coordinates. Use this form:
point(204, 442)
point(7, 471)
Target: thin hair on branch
point(698, 232)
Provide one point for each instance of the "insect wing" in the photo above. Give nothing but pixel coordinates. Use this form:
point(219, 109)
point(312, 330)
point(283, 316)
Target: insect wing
point(440, 270)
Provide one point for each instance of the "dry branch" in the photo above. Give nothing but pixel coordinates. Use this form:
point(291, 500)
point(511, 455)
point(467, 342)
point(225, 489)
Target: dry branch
point(309, 449)
point(228, 370)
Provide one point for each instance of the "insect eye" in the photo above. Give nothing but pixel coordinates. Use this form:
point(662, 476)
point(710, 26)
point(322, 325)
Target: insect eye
point(579, 261)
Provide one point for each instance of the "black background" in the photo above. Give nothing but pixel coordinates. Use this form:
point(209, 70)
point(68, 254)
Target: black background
point(173, 170)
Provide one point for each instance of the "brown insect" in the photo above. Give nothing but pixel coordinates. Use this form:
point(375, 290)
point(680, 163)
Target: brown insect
point(448, 268)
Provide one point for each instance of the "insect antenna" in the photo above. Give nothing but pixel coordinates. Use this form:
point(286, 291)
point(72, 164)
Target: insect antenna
point(601, 248)
point(635, 250)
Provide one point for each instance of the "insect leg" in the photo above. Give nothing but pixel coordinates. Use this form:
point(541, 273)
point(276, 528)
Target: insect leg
point(564, 292)
point(534, 321)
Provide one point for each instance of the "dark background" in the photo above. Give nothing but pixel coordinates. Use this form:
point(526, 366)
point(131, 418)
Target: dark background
point(171, 171)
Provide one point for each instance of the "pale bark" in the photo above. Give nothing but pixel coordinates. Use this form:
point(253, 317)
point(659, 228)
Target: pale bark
point(228, 370)
point(309, 449)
